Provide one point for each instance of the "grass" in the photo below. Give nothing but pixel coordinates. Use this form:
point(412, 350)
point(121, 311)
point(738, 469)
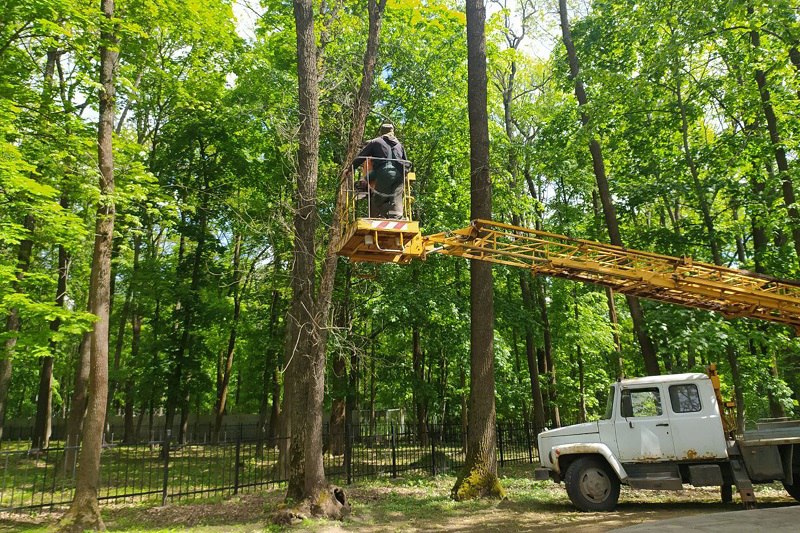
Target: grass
point(413, 503)
point(136, 473)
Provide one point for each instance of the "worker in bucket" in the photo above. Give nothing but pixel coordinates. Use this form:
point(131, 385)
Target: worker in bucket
point(385, 170)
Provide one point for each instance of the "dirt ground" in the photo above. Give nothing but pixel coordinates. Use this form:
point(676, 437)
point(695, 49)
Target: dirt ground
point(404, 506)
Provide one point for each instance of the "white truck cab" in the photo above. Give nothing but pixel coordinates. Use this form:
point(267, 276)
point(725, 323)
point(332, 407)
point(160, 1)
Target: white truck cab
point(658, 432)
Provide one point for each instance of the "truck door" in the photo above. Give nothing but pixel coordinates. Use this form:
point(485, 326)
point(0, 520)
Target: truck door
point(695, 423)
point(642, 429)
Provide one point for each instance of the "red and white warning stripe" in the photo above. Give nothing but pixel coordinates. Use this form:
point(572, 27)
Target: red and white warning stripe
point(389, 224)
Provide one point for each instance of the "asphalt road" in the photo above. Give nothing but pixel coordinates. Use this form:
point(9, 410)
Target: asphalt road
point(773, 520)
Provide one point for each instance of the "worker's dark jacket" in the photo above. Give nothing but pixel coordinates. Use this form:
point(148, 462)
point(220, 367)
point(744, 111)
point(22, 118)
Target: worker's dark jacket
point(381, 149)
point(386, 177)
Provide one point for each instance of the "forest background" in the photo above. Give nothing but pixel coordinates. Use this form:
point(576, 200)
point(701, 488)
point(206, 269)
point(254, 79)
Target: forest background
point(694, 104)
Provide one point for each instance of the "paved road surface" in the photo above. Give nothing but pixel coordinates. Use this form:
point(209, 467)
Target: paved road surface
point(774, 520)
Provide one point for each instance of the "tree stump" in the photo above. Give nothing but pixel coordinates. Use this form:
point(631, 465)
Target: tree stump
point(329, 503)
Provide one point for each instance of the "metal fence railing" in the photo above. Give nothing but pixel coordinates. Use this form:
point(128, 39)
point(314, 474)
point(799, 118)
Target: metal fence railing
point(166, 471)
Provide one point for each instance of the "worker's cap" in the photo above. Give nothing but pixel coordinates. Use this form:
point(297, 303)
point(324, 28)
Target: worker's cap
point(387, 128)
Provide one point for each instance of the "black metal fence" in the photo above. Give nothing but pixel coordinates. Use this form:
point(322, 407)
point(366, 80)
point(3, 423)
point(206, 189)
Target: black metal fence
point(165, 471)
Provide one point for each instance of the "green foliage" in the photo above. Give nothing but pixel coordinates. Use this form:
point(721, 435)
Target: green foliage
point(206, 153)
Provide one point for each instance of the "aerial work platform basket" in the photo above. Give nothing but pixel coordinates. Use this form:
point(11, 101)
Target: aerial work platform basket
point(372, 238)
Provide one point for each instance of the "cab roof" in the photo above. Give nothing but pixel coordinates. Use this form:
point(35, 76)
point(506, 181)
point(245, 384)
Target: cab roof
point(668, 378)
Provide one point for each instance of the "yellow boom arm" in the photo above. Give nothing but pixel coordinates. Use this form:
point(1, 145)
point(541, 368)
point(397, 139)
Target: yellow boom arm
point(678, 280)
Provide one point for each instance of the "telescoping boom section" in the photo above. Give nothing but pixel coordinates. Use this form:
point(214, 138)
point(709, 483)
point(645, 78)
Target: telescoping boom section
point(678, 280)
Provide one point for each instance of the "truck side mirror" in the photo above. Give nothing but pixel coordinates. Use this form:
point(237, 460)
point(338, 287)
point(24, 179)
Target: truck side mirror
point(627, 406)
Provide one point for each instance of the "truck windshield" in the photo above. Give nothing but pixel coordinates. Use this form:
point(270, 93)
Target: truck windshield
point(609, 405)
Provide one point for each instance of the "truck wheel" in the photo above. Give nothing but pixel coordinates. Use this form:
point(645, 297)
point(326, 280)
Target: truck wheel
point(592, 485)
point(793, 490)
point(726, 493)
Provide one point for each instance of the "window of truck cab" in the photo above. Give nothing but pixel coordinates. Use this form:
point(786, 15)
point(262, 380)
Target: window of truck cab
point(684, 398)
point(641, 402)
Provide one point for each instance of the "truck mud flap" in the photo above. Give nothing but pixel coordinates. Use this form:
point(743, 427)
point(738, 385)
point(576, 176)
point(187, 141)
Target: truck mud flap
point(705, 476)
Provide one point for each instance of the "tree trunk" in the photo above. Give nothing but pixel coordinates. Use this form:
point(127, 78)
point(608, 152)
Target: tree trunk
point(177, 386)
point(123, 322)
point(787, 188)
point(579, 355)
point(539, 419)
point(77, 406)
point(609, 212)
point(619, 363)
point(479, 475)
point(305, 371)
point(549, 366)
point(338, 386)
point(272, 369)
point(222, 391)
point(306, 336)
point(84, 512)
point(420, 401)
point(44, 404)
point(130, 434)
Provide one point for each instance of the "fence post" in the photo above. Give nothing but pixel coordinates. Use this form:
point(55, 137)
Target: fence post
point(236, 465)
point(165, 454)
point(500, 444)
point(394, 452)
point(432, 436)
point(348, 452)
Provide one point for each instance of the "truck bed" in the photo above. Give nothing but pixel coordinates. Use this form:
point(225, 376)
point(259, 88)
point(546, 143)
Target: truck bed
point(772, 432)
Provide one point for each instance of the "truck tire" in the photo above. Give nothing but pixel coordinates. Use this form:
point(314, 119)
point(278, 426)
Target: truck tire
point(793, 490)
point(592, 485)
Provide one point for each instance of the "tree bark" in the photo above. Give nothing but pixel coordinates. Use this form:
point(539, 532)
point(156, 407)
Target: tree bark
point(787, 188)
point(306, 334)
point(305, 372)
point(609, 212)
point(84, 512)
point(479, 476)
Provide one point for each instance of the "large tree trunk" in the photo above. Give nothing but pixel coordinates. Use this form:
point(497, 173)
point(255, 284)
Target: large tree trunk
point(479, 475)
point(305, 372)
point(306, 332)
point(609, 212)
point(84, 513)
